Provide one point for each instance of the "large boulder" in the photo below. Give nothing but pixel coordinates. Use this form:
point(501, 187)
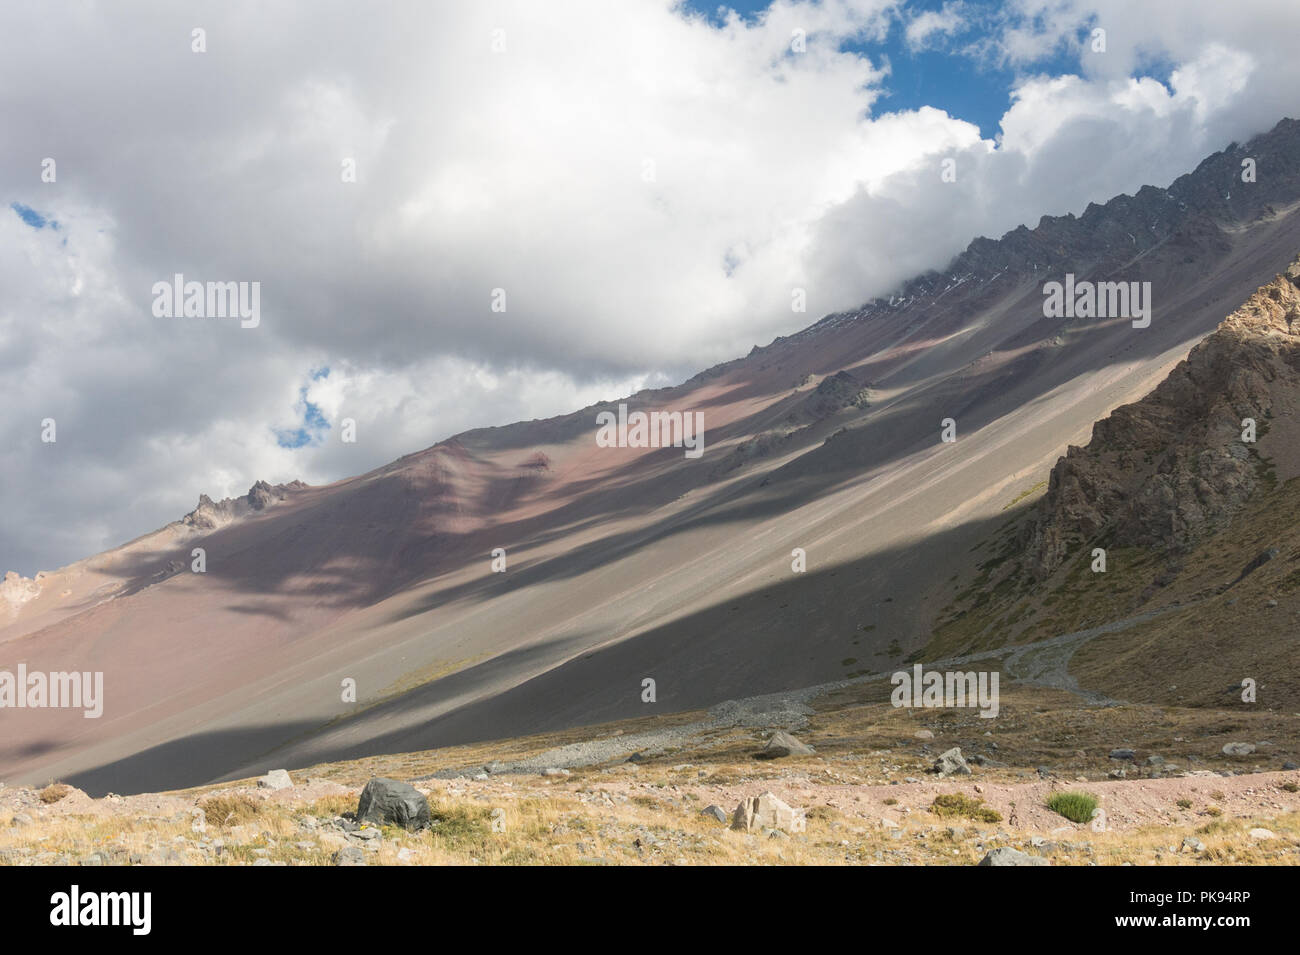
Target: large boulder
point(767, 812)
point(783, 744)
point(388, 802)
point(1238, 749)
point(951, 763)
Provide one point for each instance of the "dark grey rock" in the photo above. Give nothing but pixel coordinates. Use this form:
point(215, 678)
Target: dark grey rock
point(389, 802)
point(715, 812)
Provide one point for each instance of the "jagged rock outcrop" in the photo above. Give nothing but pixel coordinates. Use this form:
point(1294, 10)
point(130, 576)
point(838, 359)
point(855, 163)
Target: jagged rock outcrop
point(16, 590)
point(210, 515)
point(833, 394)
point(1190, 215)
point(1168, 470)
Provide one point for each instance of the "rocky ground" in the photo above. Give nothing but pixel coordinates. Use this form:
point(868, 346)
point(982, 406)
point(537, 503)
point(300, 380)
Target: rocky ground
point(1173, 788)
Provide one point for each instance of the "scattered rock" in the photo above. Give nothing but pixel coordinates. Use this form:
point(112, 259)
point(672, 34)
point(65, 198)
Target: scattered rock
point(714, 812)
point(951, 764)
point(1008, 856)
point(276, 779)
point(1261, 834)
point(1122, 754)
point(924, 734)
point(767, 812)
point(162, 857)
point(553, 772)
point(783, 744)
point(389, 801)
point(1238, 749)
point(349, 855)
point(1192, 844)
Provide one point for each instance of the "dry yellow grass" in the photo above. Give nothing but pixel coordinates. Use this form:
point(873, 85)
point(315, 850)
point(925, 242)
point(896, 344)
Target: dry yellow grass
point(868, 798)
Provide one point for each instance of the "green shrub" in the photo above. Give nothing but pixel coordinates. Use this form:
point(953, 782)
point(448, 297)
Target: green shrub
point(1075, 806)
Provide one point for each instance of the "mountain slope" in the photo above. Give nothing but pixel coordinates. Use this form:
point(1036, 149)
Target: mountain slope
point(1190, 493)
point(633, 563)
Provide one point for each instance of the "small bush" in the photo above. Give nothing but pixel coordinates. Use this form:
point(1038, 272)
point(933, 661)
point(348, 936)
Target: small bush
point(1184, 804)
point(1075, 806)
point(1213, 811)
point(956, 804)
point(891, 801)
point(54, 792)
point(1291, 787)
point(223, 811)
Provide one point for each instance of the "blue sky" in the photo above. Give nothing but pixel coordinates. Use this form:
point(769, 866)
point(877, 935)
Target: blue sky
point(948, 74)
point(314, 422)
point(33, 218)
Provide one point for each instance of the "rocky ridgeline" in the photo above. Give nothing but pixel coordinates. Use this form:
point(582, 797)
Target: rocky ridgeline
point(1169, 470)
point(1190, 214)
point(210, 515)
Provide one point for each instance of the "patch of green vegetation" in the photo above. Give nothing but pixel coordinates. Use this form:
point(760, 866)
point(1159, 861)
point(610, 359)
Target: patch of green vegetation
point(964, 807)
point(1184, 804)
point(1074, 805)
